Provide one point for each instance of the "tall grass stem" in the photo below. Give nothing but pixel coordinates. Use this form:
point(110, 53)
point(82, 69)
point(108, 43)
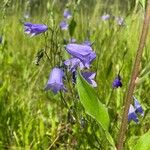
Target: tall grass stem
point(134, 75)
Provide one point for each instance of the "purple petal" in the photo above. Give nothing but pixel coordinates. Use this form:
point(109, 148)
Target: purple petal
point(64, 25)
point(89, 77)
point(55, 81)
point(73, 63)
point(117, 82)
point(67, 14)
point(105, 17)
point(138, 107)
point(82, 52)
point(132, 115)
point(34, 29)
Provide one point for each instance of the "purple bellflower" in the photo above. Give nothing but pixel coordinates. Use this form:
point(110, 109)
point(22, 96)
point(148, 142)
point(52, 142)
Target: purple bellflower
point(82, 52)
point(89, 77)
point(34, 29)
point(67, 14)
point(64, 25)
point(132, 115)
point(138, 107)
point(117, 82)
point(55, 81)
point(73, 63)
point(105, 17)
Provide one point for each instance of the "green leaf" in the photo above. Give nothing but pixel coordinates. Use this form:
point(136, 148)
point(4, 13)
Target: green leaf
point(91, 103)
point(72, 27)
point(144, 142)
point(93, 106)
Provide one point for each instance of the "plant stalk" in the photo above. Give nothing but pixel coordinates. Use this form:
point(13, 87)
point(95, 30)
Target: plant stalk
point(134, 75)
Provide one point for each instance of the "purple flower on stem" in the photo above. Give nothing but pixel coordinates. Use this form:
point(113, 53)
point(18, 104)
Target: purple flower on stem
point(67, 14)
point(64, 25)
point(138, 107)
point(89, 77)
point(105, 17)
point(34, 29)
point(73, 63)
point(55, 81)
point(82, 52)
point(132, 115)
point(117, 82)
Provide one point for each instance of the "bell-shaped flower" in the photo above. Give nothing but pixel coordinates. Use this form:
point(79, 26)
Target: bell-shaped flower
point(73, 63)
point(55, 81)
point(64, 25)
point(67, 14)
point(89, 77)
point(117, 82)
point(138, 107)
point(34, 29)
point(132, 115)
point(82, 52)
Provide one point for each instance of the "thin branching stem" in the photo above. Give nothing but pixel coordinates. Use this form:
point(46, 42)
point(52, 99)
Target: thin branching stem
point(134, 75)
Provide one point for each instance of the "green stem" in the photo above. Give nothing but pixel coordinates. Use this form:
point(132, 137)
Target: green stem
point(134, 75)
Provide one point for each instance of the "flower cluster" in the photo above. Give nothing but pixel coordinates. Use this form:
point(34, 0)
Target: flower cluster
point(133, 110)
point(81, 57)
point(63, 24)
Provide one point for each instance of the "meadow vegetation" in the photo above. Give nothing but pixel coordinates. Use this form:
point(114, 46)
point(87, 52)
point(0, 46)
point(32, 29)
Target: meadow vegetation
point(32, 118)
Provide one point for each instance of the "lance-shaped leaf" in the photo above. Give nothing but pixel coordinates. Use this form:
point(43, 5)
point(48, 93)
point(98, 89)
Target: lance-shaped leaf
point(93, 106)
point(91, 103)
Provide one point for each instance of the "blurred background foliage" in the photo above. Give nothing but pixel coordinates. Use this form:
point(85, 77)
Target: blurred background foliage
point(31, 118)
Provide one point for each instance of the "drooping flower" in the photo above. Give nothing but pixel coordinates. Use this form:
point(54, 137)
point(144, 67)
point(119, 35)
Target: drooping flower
point(55, 81)
point(105, 17)
point(138, 107)
point(120, 21)
point(67, 14)
point(64, 25)
point(132, 115)
point(82, 52)
point(73, 63)
point(117, 82)
point(89, 77)
point(34, 29)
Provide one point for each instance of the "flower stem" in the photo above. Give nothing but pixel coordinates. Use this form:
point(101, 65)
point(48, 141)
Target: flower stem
point(134, 75)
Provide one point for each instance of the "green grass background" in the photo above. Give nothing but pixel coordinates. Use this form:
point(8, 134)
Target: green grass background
point(31, 118)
